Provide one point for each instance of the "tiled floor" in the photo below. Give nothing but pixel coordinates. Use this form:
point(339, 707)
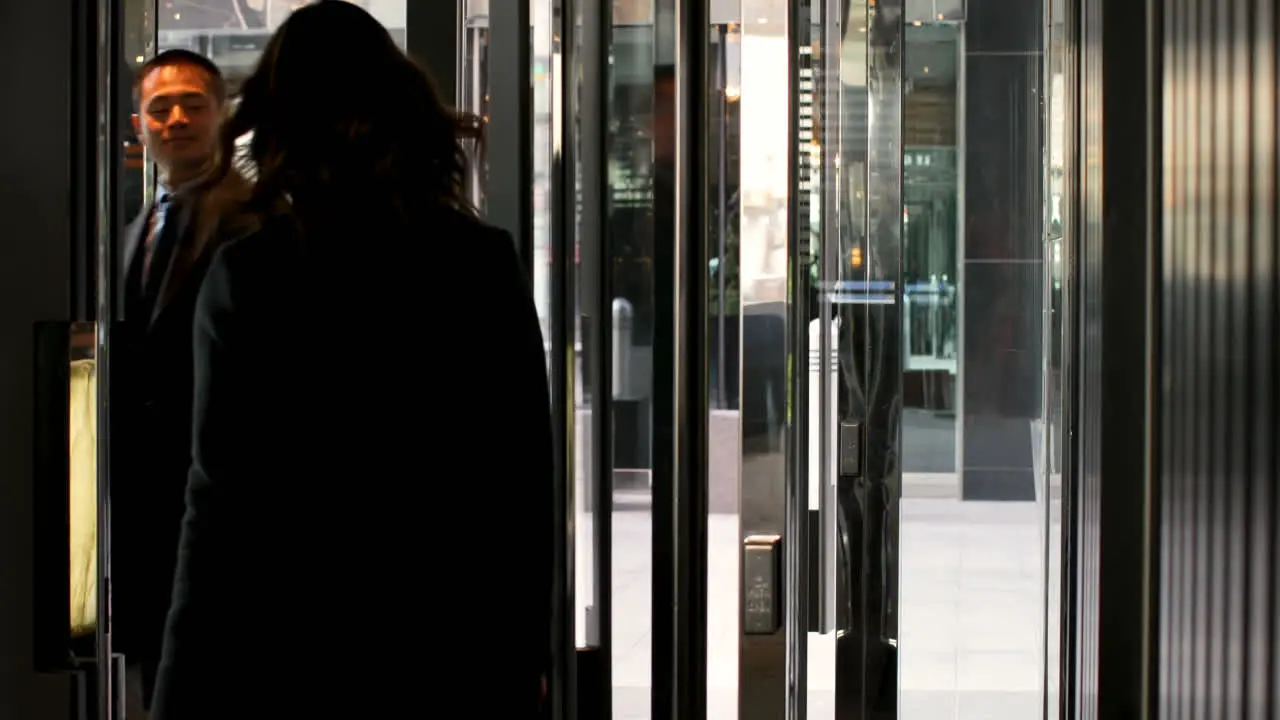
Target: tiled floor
point(971, 626)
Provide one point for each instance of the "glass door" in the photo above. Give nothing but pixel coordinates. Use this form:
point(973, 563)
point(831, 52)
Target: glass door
point(820, 406)
point(822, 474)
point(893, 503)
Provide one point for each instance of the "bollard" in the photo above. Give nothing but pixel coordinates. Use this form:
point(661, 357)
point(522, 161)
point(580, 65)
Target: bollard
point(622, 317)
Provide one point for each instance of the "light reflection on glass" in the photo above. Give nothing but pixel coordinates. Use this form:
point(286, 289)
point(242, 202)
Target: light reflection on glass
point(82, 490)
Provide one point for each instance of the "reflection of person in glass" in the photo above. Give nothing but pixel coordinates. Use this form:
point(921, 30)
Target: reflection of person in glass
point(180, 98)
point(369, 521)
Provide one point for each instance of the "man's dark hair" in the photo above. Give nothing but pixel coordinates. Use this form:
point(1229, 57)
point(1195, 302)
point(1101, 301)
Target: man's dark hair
point(217, 83)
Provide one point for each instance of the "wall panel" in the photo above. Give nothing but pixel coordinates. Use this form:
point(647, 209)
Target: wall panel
point(1216, 468)
point(1171, 573)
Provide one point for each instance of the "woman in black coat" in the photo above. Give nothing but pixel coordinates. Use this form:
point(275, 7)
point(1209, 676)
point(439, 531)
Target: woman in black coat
point(369, 510)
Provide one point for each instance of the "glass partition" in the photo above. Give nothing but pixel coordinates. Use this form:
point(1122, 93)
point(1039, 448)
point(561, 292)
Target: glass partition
point(1049, 461)
point(921, 200)
point(233, 33)
point(725, 353)
point(977, 380)
point(637, 115)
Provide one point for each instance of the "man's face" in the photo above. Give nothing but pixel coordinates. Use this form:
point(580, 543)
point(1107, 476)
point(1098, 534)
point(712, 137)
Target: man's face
point(178, 119)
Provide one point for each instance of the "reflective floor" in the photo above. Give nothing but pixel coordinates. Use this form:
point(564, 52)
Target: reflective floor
point(971, 630)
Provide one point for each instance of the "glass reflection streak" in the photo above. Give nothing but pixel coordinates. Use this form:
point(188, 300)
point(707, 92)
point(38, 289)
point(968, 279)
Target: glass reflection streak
point(871, 377)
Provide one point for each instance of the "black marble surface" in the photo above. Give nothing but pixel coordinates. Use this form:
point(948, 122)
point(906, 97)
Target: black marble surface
point(1003, 248)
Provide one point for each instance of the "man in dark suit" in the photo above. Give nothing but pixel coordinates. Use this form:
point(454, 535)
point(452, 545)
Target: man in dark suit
point(181, 100)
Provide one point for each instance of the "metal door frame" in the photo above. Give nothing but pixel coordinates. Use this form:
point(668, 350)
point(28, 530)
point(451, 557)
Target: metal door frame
point(836, 520)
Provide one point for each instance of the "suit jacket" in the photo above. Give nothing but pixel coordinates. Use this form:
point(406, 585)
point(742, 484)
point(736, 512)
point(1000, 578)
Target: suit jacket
point(369, 510)
point(151, 392)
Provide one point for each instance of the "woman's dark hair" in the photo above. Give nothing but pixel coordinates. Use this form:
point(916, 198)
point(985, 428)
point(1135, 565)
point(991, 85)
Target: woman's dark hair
point(343, 124)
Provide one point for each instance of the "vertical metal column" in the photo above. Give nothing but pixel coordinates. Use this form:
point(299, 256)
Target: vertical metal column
point(800, 184)
point(471, 85)
point(693, 28)
point(680, 382)
point(1068, 589)
point(563, 687)
point(774, 243)
point(597, 303)
point(1117, 289)
point(722, 206)
point(831, 36)
point(662, 691)
point(108, 225)
point(150, 20)
point(432, 37)
point(510, 132)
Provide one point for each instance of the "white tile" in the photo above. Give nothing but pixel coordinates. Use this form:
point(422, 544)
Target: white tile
point(998, 671)
point(970, 611)
point(998, 705)
point(930, 629)
point(928, 705)
point(926, 669)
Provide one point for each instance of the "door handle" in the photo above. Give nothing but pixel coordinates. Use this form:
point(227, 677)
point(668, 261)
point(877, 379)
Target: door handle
point(831, 17)
point(823, 459)
point(850, 451)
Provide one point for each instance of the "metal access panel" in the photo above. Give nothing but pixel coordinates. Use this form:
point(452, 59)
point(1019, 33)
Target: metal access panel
point(762, 585)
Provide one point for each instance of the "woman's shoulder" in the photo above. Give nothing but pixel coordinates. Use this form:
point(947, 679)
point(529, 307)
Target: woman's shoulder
point(276, 246)
point(473, 238)
point(269, 240)
point(469, 224)
point(251, 264)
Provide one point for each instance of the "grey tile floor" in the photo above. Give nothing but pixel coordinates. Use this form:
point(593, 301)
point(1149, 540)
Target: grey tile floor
point(972, 640)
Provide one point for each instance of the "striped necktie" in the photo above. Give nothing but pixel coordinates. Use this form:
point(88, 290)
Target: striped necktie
point(158, 217)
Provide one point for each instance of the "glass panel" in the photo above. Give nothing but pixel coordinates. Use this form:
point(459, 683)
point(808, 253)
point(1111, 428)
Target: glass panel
point(638, 113)
point(921, 174)
point(540, 15)
point(233, 33)
point(584, 531)
point(586, 395)
point(137, 176)
point(724, 327)
point(976, 429)
point(869, 298)
point(930, 218)
point(820, 270)
point(1049, 457)
point(933, 535)
point(933, 10)
point(764, 404)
